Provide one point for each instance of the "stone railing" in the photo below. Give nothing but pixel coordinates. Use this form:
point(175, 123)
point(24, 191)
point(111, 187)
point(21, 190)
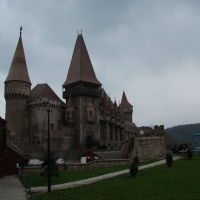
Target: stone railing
point(36, 169)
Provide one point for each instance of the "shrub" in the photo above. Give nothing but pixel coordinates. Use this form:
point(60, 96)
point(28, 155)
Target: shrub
point(53, 166)
point(189, 154)
point(169, 159)
point(133, 169)
point(136, 159)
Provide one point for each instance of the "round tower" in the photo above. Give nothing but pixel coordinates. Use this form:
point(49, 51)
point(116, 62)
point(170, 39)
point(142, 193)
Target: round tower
point(16, 93)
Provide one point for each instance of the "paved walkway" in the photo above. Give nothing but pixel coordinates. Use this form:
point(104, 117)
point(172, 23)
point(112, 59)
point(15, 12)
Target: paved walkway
point(97, 178)
point(11, 188)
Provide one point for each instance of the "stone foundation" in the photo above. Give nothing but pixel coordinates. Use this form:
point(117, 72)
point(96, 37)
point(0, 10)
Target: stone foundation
point(36, 169)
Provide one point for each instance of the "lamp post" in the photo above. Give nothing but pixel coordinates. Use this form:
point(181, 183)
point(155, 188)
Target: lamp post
point(48, 151)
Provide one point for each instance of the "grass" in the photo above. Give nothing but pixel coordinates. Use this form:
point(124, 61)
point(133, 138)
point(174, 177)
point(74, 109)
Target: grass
point(36, 180)
point(181, 181)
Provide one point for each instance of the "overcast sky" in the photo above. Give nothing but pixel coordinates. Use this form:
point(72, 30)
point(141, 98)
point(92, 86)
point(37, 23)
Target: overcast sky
point(149, 49)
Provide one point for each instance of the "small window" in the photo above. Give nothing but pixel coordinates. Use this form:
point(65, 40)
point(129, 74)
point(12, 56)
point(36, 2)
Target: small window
point(38, 142)
point(72, 113)
point(85, 100)
point(92, 100)
point(52, 127)
point(68, 113)
point(90, 113)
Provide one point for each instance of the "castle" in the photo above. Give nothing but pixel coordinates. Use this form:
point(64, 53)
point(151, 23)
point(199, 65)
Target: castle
point(88, 119)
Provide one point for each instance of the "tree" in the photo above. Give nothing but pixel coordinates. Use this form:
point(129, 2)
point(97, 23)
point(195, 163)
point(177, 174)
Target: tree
point(189, 154)
point(53, 166)
point(169, 159)
point(136, 159)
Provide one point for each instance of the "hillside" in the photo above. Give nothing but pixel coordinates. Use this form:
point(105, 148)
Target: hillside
point(183, 133)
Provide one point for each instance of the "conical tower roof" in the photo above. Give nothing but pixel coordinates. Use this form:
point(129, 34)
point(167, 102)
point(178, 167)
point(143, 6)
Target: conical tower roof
point(115, 104)
point(18, 69)
point(111, 104)
point(105, 101)
point(81, 68)
point(124, 101)
point(70, 102)
point(116, 107)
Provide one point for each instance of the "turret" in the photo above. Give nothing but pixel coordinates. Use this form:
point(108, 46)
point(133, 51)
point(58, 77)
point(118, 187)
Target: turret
point(16, 93)
point(126, 108)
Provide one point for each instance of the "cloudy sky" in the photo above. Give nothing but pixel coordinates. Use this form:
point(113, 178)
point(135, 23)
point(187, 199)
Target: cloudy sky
point(149, 49)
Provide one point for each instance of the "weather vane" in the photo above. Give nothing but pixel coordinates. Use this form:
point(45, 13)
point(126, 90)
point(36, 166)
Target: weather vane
point(20, 31)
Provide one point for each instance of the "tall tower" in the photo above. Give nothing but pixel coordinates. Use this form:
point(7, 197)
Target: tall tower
point(126, 108)
point(85, 90)
point(16, 92)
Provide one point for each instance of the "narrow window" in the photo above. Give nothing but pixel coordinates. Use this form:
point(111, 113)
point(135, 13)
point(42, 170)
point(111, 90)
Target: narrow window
point(52, 127)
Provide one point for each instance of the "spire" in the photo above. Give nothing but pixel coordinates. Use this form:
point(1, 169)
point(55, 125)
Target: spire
point(115, 104)
point(124, 101)
point(20, 32)
point(70, 102)
point(81, 68)
point(111, 104)
point(18, 69)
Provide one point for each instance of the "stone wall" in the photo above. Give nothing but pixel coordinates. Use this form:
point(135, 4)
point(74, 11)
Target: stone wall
point(36, 169)
point(149, 148)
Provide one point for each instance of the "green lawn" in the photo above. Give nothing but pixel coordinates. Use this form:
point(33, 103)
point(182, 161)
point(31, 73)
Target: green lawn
point(181, 181)
point(36, 180)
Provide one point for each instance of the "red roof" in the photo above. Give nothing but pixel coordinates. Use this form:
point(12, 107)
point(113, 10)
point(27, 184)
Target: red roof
point(111, 103)
point(105, 101)
point(89, 153)
point(81, 68)
point(130, 124)
point(124, 101)
point(43, 90)
point(18, 69)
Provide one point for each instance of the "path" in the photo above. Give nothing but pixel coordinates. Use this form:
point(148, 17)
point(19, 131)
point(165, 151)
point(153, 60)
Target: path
point(97, 178)
point(11, 188)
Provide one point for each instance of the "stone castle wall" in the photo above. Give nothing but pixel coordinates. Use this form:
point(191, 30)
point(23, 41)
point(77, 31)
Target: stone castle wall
point(149, 148)
point(87, 126)
point(36, 169)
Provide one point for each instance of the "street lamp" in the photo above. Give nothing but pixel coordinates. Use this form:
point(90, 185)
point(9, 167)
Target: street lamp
point(48, 151)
